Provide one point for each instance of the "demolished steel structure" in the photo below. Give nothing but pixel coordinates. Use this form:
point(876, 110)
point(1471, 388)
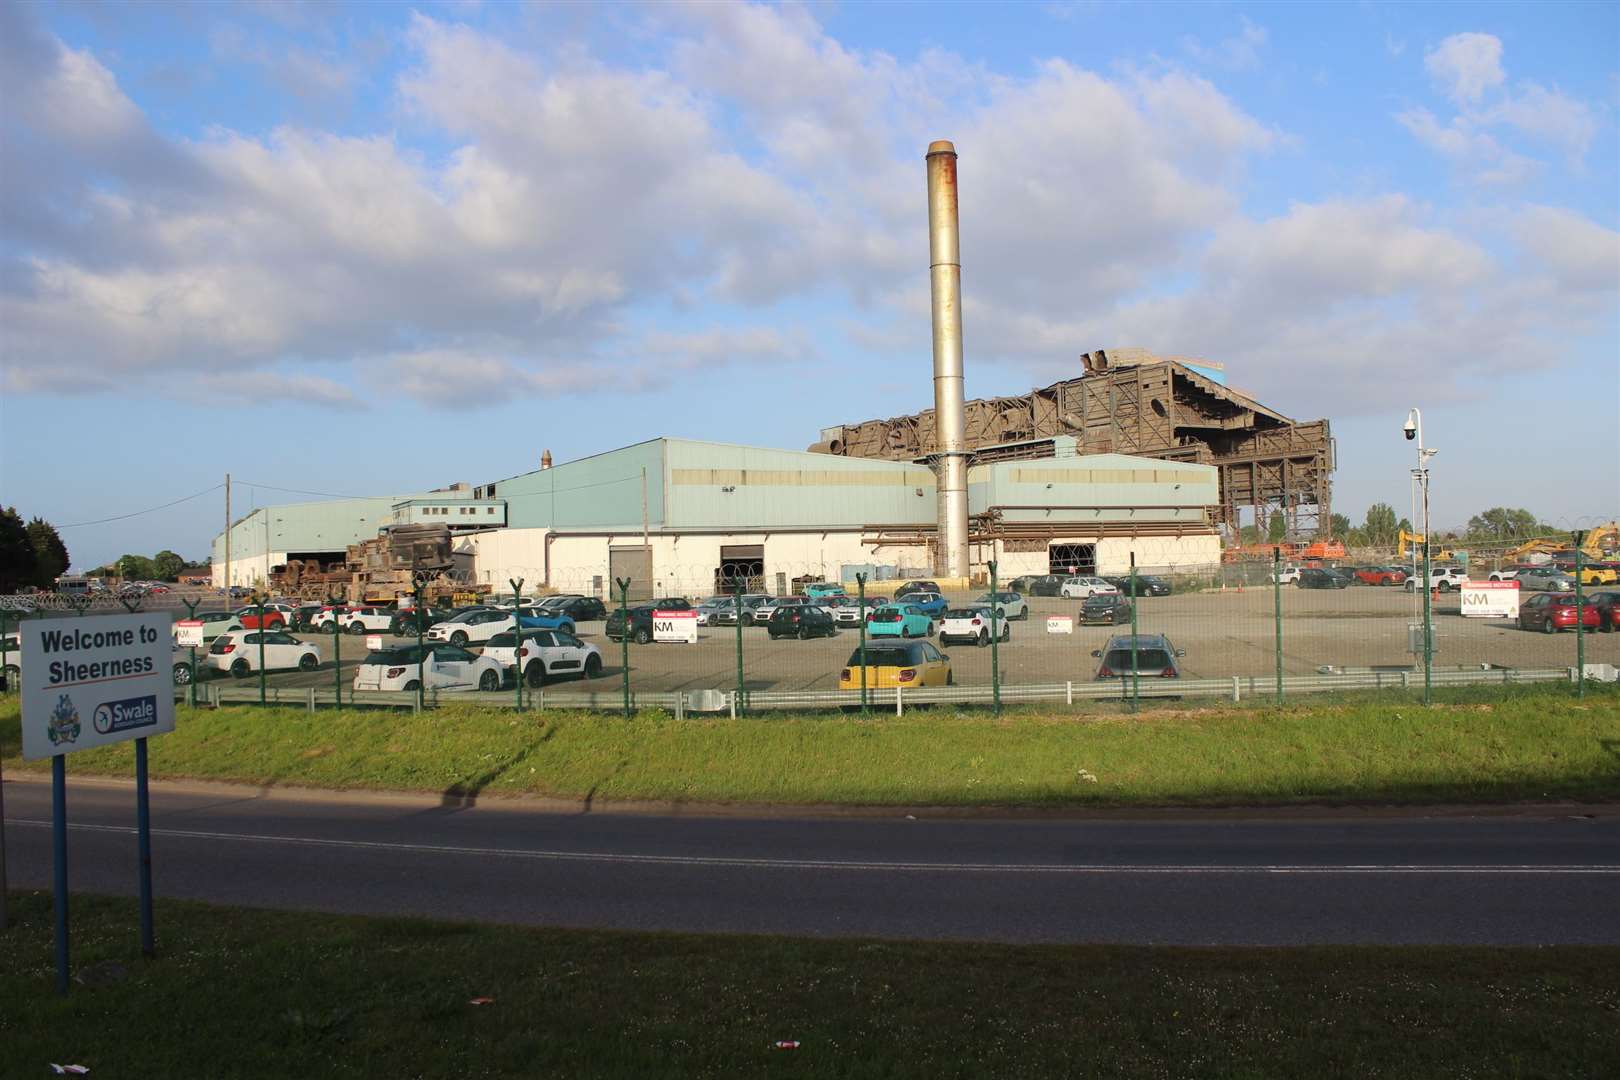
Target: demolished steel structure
point(1130, 401)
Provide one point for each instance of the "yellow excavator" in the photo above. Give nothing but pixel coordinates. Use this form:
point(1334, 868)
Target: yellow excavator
point(1597, 539)
point(1416, 540)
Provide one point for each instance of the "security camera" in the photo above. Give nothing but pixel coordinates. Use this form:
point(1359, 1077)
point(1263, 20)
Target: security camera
point(1410, 428)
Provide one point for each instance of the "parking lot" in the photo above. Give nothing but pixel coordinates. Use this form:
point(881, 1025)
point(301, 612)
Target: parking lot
point(1223, 634)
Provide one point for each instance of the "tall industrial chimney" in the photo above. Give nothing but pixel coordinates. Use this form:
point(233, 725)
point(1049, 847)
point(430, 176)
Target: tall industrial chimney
point(945, 273)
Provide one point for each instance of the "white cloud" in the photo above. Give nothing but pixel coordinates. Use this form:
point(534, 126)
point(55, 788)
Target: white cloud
point(1464, 66)
point(1580, 255)
point(1548, 115)
point(1240, 52)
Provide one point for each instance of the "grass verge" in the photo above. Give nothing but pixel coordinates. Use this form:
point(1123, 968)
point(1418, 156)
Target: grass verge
point(1530, 744)
point(241, 993)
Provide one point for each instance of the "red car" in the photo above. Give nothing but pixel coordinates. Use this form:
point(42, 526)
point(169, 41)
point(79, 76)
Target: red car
point(1552, 612)
point(1381, 575)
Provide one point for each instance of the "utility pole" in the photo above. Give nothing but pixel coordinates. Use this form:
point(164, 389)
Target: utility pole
point(227, 540)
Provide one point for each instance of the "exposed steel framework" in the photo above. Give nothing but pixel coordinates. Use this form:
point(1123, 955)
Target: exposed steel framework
point(1132, 402)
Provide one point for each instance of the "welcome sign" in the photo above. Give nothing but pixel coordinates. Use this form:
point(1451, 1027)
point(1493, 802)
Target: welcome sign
point(94, 680)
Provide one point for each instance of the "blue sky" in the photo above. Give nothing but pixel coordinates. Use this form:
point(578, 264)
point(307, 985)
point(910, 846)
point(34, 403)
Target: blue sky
point(373, 248)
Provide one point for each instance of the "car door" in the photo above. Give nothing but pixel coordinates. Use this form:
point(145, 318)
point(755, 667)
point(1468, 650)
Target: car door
point(933, 665)
point(567, 653)
point(449, 668)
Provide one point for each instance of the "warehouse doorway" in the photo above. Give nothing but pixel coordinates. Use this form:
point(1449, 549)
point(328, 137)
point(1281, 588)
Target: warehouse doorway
point(741, 566)
point(634, 563)
point(1072, 559)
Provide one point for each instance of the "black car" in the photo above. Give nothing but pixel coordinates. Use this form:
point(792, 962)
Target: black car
point(1312, 578)
point(579, 608)
point(800, 622)
point(303, 615)
point(910, 587)
point(1040, 585)
point(1105, 610)
point(1607, 601)
point(639, 620)
point(409, 621)
point(1146, 585)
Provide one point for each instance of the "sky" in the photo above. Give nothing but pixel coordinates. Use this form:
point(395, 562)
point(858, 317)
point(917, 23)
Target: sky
point(370, 249)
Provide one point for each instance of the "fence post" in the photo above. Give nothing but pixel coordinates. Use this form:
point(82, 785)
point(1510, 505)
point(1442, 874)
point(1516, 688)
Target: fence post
point(1580, 633)
point(258, 602)
point(1068, 692)
point(191, 613)
point(337, 652)
point(860, 590)
point(1428, 615)
point(624, 637)
point(899, 701)
point(1136, 674)
point(421, 650)
point(995, 639)
point(517, 638)
point(312, 699)
point(1276, 599)
point(1237, 689)
point(736, 610)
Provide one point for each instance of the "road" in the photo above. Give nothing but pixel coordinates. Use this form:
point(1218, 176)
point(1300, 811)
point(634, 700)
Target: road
point(1539, 877)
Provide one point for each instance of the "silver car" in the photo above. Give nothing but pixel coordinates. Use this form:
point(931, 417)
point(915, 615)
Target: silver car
point(1546, 578)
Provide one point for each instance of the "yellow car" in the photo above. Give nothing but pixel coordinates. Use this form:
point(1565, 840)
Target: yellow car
point(1598, 574)
point(897, 663)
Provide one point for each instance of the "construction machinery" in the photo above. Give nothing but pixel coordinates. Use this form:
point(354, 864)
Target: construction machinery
point(1416, 541)
point(1601, 541)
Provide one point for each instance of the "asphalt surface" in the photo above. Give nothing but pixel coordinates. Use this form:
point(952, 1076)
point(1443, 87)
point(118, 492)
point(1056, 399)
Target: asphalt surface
point(1537, 877)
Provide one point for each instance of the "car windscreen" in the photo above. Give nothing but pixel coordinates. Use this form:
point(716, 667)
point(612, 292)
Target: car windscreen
point(967, 613)
point(1146, 659)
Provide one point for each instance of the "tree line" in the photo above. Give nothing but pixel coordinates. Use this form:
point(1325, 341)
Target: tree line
point(31, 553)
point(1499, 524)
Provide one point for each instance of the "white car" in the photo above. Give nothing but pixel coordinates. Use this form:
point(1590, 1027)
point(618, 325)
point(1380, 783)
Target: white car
point(1081, 588)
point(971, 625)
point(214, 623)
point(849, 613)
point(238, 652)
point(1508, 574)
point(547, 654)
point(1288, 575)
point(1012, 605)
point(370, 620)
point(471, 627)
point(441, 666)
point(763, 613)
point(1548, 578)
point(1444, 578)
point(13, 660)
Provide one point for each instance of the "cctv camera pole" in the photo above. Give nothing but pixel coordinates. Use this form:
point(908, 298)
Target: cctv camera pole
point(517, 637)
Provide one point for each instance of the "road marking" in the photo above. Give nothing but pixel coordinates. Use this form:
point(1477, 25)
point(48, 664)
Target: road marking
point(737, 862)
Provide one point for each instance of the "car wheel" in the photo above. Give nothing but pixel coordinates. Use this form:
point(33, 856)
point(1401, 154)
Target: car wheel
point(459, 638)
point(643, 636)
point(13, 673)
point(1006, 633)
point(489, 680)
point(308, 662)
point(356, 629)
point(804, 633)
point(930, 631)
point(593, 666)
point(984, 638)
point(1548, 627)
point(182, 674)
point(413, 686)
point(1445, 586)
point(535, 676)
point(950, 678)
point(241, 669)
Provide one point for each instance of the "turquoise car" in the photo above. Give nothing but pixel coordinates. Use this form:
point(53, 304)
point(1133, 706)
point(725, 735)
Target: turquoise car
point(899, 620)
point(821, 590)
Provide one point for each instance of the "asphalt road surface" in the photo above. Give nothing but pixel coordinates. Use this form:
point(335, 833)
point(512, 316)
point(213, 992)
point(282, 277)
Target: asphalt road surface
point(1533, 877)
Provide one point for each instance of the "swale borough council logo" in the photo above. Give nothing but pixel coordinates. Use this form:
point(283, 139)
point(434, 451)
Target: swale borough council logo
point(64, 725)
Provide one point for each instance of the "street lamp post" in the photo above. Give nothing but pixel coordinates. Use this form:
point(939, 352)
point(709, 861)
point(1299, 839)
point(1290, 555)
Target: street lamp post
point(1414, 431)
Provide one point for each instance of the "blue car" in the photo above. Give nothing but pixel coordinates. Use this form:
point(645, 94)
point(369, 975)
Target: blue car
point(931, 604)
point(899, 620)
point(539, 621)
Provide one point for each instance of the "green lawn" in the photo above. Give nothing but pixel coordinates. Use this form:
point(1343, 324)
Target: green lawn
point(1529, 744)
point(240, 993)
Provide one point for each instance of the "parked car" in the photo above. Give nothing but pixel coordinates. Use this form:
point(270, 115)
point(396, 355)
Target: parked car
point(1508, 573)
point(899, 620)
point(710, 608)
point(214, 623)
point(971, 625)
point(237, 651)
point(1381, 575)
point(851, 611)
point(726, 614)
point(275, 616)
point(1443, 578)
point(579, 608)
point(409, 620)
point(1548, 578)
point(441, 666)
point(764, 612)
point(1080, 586)
point(1155, 657)
point(1146, 585)
point(1607, 602)
point(545, 655)
point(1552, 612)
point(1021, 584)
point(932, 604)
point(906, 588)
point(1287, 575)
point(824, 590)
point(1598, 573)
point(1011, 604)
point(893, 663)
point(635, 623)
point(1106, 610)
point(806, 621)
point(1041, 585)
point(1313, 578)
point(301, 616)
point(13, 659)
point(330, 613)
point(370, 620)
point(672, 603)
point(471, 627)
point(180, 667)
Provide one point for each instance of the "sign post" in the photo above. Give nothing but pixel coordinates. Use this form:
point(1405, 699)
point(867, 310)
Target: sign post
point(89, 682)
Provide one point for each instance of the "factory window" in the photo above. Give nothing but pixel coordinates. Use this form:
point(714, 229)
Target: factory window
point(490, 510)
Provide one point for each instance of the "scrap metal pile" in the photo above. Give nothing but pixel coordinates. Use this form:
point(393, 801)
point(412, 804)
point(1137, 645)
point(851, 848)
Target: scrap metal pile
point(1130, 401)
point(384, 570)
